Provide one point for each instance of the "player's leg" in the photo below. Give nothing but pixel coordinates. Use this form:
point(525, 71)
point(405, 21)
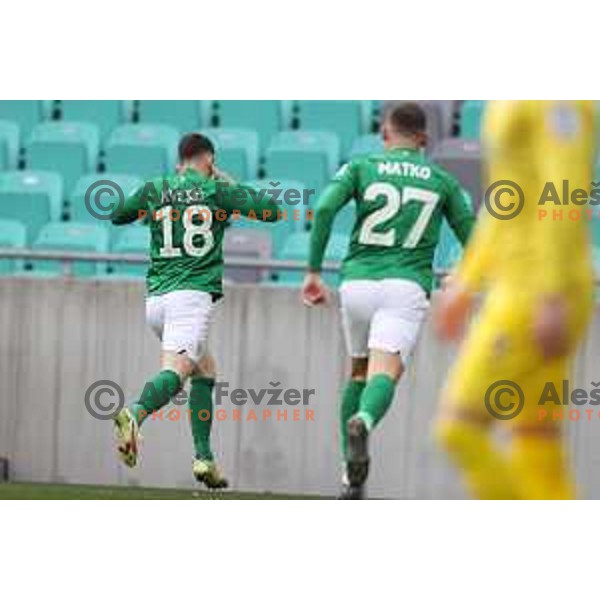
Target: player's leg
point(466, 437)
point(201, 407)
point(357, 306)
point(538, 457)
point(464, 424)
point(394, 330)
point(178, 318)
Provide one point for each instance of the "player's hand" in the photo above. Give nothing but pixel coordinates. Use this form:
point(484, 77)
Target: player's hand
point(314, 290)
point(551, 327)
point(451, 310)
point(218, 174)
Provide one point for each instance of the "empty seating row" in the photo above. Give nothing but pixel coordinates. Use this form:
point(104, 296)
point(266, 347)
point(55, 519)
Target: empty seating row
point(83, 237)
point(72, 149)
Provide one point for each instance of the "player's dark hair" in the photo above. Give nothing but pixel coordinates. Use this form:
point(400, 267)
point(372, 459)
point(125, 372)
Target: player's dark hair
point(407, 118)
point(192, 145)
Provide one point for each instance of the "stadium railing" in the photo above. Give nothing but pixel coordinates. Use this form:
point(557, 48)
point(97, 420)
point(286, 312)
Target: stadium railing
point(68, 258)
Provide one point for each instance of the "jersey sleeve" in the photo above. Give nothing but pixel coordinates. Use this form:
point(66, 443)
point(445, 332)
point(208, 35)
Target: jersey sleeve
point(333, 198)
point(459, 212)
point(134, 207)
point(248, 201)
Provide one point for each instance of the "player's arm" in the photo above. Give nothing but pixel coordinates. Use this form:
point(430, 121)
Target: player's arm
point(134, 207)
point(247, 201)
point(333, 198)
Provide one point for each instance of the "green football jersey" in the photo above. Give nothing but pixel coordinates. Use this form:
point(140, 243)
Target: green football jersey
point(401, 200)
point(187, 214)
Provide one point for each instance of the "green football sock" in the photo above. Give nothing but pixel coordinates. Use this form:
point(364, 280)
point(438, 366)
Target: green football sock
point(376, 399)
point(156, 393)
point(201, 414)
point(348, 408)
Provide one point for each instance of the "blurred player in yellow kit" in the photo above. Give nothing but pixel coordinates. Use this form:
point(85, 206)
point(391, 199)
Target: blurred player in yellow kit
point(538, 277)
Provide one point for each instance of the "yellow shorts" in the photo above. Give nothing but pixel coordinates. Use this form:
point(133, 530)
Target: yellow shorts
point(500, 372)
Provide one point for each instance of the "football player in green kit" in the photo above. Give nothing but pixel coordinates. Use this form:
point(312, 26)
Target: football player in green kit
point(401, 199)
point(187, 214)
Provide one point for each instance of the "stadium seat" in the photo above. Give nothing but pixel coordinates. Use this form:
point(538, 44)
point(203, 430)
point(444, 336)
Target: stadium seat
point(145, 150)
point(462, 158)
point(131, 240)
point(344, 220)
point(69, 148)
point(32, 197)
point(183, 115)
point(237, 151)
point(309, 156)
point(296, 248)
point(26, 113)
point(74, 237)
point(595, 227)
point(348, 119)
point(13, 234)
point(247, 243)
point(100, 195)
point(471, 114)
point(106, 114)
point(267, 117)
point(366, 144)
point(9, 145)
point(448, 251)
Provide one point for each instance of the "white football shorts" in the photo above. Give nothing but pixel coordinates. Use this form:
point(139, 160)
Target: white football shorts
point(382, 315)
point(182, 320)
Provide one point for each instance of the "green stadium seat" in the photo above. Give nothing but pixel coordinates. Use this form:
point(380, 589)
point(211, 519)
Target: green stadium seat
point(296, 248)
point(348, 119)
point(267, 117)
point(184, 115)
point(74, 237)
point(366, 144)
point(13, 234)
point(32, 197)
point(26, 113)
point(448, 251)
point(100, 195)
point(131, 240)
point(9, 145)
point(70, 148)
point(237, 151)
point(106, 114)
point(595, 226)
point(471, 114)
point(309, 156)
point(345, 219)
point(145, 150)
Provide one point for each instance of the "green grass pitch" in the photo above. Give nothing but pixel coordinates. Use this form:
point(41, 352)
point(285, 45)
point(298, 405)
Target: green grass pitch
point(51, 491)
